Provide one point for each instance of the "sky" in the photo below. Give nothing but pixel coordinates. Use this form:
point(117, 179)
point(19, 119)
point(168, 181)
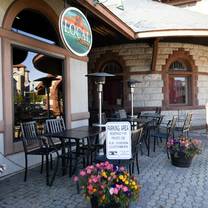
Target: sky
point(34, 73)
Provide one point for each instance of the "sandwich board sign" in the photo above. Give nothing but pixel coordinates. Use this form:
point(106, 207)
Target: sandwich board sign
point(118, 140)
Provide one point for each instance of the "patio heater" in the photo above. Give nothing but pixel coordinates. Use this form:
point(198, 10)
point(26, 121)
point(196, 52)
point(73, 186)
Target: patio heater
point(99, 78)
point(132, 84)
point(47, 81)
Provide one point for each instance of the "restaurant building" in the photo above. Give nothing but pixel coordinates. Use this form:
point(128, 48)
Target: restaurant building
point(163, 46)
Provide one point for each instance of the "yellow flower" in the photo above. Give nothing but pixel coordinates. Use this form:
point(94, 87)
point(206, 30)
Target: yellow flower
point(121, 177)
point(94, 190)
point(126, 182)
point(104, 174)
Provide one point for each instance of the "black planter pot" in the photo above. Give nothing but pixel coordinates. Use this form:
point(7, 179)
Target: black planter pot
point(181, 160)
point(94, 204)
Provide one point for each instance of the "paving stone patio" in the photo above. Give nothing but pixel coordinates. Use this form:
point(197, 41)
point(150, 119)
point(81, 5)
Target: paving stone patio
point(163, 185)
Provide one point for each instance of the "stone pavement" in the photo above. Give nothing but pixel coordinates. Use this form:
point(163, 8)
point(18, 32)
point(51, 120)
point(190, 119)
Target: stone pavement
point(163, 185)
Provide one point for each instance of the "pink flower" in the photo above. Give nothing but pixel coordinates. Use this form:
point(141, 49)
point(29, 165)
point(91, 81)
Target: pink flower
point(125, 188)
point(119, 186)
point(90, 188)
point(97, 165)
point(82, 173)
point(75, 178)
point(89, 171)
point(122, 168)
point(115, 191)
point(95, 179)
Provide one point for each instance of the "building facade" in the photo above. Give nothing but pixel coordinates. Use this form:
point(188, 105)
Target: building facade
point(170, 61)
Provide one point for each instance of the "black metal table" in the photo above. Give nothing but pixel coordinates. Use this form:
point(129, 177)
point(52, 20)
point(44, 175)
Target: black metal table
point(77, 134)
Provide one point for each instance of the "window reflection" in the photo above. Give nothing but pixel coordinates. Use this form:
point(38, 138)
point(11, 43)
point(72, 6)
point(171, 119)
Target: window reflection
point(178, 90)
point(30, 96)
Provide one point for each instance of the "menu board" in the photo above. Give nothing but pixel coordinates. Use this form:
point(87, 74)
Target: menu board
point(118, 140)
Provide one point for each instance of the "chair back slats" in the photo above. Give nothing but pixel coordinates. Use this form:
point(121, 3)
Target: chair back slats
point(187, 122)
point(122, 114)
point(30, 136)
point(172, 125)
point(158, 110)
point(55, 125)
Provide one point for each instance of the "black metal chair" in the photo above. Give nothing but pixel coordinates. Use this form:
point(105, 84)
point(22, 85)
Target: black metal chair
point(55, 126)
point(167, 131)
point(154, 129)
point(136, 136)
point(158, 110)
point(185, 128)
point(35, 144)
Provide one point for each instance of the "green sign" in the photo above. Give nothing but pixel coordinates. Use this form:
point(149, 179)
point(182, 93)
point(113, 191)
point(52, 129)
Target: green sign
point(75, 31)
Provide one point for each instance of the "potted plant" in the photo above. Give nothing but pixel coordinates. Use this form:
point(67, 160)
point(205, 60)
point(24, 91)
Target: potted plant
point(182, 150)
point(108, 186)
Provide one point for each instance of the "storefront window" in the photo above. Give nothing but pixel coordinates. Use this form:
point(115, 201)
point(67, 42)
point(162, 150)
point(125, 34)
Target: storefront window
point(37, 88)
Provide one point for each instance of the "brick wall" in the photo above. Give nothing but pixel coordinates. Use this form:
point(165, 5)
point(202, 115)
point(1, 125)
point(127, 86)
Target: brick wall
point(148, 93)
point(202, 89)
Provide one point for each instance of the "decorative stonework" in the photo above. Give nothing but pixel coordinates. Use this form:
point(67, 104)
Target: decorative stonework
point(187, 59)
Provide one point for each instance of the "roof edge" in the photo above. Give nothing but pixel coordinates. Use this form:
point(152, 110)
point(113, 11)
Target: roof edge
point(173, 32)
point(109, 17)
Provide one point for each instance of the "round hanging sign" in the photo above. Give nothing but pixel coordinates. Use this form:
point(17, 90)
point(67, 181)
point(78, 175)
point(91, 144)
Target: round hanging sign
point(75, 31)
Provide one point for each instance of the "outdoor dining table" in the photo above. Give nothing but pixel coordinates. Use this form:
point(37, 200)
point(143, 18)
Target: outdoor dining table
point(151, 115)
point(77, 134)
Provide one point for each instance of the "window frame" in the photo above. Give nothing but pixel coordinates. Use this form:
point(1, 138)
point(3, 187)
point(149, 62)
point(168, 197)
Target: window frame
point(181, 73)
point(182, 56)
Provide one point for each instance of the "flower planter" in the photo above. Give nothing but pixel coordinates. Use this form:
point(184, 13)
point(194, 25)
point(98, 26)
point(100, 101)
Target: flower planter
point(181, 160)
point(94, 204)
